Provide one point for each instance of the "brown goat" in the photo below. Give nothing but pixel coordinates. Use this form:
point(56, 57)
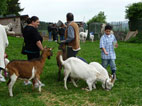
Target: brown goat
point(62, 48)
point(25, 69)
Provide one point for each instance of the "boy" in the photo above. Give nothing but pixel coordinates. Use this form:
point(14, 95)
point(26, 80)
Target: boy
point(107, 44)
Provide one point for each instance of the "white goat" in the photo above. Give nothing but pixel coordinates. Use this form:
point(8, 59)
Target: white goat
point(76, 68)
point(8, 28)
point(107, 82)
point(83, 35)
point(91, 37)
point(25, 69)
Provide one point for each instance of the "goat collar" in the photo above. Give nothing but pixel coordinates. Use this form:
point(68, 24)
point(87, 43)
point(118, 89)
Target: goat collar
point(105, 84)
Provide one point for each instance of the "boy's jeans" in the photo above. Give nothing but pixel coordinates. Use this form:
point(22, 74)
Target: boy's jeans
point(105, 63)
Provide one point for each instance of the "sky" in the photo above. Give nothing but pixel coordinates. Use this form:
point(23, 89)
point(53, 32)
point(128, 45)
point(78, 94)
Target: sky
point(83, 10)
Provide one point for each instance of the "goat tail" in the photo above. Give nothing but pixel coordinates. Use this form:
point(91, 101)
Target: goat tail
point(61, 59)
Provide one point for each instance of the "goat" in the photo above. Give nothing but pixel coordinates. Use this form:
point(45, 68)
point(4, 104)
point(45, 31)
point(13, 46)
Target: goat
point(8, 28)
point(27, 69)
point(76, 68)
point(107, 81)
point(83, 35)
point(91, 37)
point(62, 48)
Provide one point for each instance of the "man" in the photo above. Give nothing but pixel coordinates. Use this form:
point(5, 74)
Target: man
point(62, 32)
point(72, 39)
point(3, 44)
point(50, 32)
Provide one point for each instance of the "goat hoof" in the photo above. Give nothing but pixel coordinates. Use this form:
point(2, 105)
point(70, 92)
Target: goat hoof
point(11, 95)
point(86, 89)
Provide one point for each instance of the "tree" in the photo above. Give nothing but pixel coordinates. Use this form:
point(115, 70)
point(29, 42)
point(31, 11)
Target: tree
point(13, 7)
point(134, 11)
point(3, 7)
point(98, 18)
point(134, 14)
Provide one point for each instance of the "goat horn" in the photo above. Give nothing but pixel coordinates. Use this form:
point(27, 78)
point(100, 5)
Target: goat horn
point(110, 76)
point(113, 78)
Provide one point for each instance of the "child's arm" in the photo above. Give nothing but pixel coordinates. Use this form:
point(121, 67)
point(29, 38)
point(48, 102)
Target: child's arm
point(104, 50)
point(102, 45)
point(116, 45)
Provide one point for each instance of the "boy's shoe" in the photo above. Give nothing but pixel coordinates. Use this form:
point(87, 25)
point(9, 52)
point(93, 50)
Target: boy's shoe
point(114, 75)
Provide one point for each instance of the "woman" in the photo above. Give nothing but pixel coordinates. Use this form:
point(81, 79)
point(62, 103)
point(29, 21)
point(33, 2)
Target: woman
point(54, 32)
point(32, 38)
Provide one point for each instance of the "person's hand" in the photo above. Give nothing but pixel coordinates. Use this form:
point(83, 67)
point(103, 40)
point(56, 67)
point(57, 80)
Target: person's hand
point(106, 53)
point(116, 45)
point(5, 55)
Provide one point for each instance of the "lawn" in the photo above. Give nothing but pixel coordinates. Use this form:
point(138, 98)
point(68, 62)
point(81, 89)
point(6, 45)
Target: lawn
point(126, 92)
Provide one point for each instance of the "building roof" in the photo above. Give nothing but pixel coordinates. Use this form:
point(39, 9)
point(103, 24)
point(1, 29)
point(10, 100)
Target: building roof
point(21, 16)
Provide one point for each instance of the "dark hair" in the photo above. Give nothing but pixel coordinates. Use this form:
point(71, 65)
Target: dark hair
point(29, 21)
point(70, 17)
point(108, 27)
point(33, 18)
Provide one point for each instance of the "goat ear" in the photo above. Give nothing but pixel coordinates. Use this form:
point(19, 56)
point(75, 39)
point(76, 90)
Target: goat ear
point(113, 79)
point(110, 76)
point(45, 47)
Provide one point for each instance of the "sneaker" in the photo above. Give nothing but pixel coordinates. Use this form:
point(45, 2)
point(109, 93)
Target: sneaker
point(27, 82)
point(114, 76)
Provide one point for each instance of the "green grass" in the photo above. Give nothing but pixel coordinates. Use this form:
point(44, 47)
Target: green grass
point(126, 92)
